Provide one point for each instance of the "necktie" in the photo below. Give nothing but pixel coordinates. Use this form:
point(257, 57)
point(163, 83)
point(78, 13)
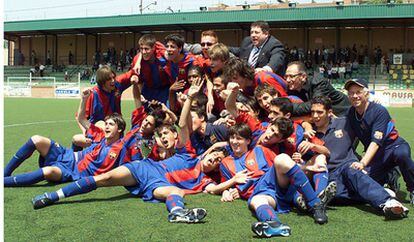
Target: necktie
point(254, 56)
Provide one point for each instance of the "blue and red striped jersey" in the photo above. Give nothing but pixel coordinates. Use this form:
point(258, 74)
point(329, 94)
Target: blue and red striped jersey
point(270, 78)
point(101, 103)
point(179, 71)
point(258, 160)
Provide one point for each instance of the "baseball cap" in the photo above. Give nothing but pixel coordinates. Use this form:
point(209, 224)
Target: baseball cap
point(359, 82)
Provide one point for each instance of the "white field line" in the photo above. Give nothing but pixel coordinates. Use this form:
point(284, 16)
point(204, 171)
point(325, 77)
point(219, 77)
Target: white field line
point(35, 123)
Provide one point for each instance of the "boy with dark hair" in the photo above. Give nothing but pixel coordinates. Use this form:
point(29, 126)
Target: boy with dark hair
point(59, 164)
point(352, 184)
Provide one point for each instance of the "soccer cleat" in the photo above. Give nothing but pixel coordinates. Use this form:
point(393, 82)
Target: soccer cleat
point(394, 209)
point(390, 192)
point(270, 228)
point(194, 215)
point(301, 203)
point(41, 201)
point(328, 193)
point(319, 213)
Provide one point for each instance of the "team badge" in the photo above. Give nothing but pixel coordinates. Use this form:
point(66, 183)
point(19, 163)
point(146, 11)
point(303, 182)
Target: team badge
point(378, 135)
point(250, 162)
point(112, 155)
point(181, 71)
point(339, 134)
point(57, 144)
point(291, 140)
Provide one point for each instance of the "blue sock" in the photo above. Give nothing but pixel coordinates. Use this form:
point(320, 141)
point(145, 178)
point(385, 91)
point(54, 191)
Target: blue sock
point(84, 185)
point(321, 181)
point(300, 181)
point(22, 154)
point(173, 202)
point(266, 213)
point(24, 179)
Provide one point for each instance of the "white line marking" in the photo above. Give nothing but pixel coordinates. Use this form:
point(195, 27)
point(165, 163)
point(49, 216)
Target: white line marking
point(42, 122)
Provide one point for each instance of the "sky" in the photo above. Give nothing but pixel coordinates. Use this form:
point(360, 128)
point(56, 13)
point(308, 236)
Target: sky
point(17, 10)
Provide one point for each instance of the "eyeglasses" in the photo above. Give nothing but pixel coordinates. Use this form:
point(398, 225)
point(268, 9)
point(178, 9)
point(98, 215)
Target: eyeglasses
point(358, 93)
point(206, 44)
point(292, 76)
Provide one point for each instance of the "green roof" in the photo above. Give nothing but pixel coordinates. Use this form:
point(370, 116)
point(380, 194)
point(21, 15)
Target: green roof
point(227, 19)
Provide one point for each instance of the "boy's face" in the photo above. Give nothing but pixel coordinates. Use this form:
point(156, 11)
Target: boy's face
point(212, 161)
point(167, 137)
point(197, 121)
point(172, 50)
point(319, 115)
point(206, 43)
point(148, 125)
point(272, 135)
point(217, 65)
point(146, 51)
point(109, 85)
point(239, 145)
point(274, 113)
point(218, 86)
point(264, 101)
point(111, 129)
point(193, 76)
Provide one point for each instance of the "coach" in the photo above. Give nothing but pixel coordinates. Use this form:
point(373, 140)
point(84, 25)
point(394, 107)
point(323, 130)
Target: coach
point(261, 50)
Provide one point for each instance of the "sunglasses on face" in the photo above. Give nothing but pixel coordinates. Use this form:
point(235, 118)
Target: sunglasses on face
point(206, 44)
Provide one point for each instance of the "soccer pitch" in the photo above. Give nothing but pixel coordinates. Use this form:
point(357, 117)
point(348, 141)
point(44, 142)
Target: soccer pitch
point(110, 214)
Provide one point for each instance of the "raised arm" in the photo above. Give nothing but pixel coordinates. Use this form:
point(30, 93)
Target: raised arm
point(136, 91)
point(231, 99)
point(82, 107)
point(185, 117)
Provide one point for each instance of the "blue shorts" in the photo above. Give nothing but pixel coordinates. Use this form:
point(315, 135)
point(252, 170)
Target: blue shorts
point(62, 158)
point(267, 185)
point(148, 178)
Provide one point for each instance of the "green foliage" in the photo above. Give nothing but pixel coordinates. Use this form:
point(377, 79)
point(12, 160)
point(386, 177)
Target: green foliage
point(111, 214)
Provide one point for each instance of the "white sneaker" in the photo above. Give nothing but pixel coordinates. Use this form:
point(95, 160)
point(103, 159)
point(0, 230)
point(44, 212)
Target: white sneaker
point(391, 192)
point(394, 209)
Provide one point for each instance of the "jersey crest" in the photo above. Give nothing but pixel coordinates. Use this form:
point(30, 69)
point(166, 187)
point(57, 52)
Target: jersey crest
point(339, 134)
point(378, 134)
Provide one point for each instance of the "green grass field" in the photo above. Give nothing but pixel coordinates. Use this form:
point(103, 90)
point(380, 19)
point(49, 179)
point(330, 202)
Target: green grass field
point(111, 214)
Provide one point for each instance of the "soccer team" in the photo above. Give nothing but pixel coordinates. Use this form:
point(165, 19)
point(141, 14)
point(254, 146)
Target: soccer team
point(245, 127)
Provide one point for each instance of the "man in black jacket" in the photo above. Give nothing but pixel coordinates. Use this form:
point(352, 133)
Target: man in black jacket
point(301, 86)
point(261, 50)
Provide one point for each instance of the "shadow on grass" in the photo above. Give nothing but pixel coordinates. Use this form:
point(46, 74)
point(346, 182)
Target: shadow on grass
point(89, 200)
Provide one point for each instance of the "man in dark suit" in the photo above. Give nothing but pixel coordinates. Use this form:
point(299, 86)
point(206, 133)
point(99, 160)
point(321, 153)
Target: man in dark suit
point(300, 85)
point(261, 50)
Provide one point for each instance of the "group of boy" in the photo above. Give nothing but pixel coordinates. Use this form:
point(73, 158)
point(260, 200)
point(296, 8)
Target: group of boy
point(243, 132)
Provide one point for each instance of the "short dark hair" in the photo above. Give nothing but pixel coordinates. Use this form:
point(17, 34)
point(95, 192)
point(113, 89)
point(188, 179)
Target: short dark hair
point(201, 99)
point(236, 66)
point(117, 118)
point(324, 101)
point(147, 39)
point(104, 74)
point(249, 101)
point(158, 114)
point(176, 38)
point(284, 104)
point(171, 127)
point(201, 112)
point(240, 129)
point(261, 24)
point(285, 126)
point(195, 68)
point(265, 88)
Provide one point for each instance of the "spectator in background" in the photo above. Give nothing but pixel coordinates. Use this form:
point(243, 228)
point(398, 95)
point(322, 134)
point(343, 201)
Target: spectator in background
point(33, 58)
point(48, 59)
point(70, 57)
